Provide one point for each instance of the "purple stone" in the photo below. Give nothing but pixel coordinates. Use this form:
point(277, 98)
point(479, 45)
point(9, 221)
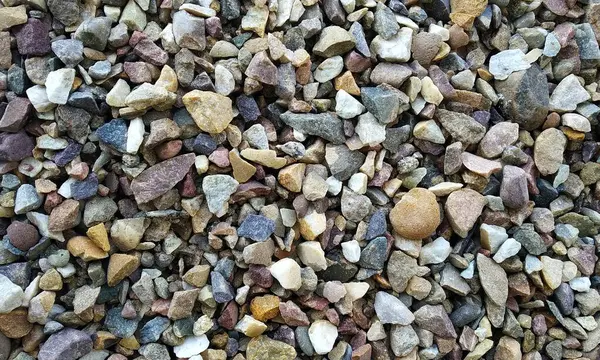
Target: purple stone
point(68, 344)
point(15, 147)
point(32, 38)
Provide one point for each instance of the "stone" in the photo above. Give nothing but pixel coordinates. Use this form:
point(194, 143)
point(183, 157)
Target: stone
point(333, 41)
point(513, 189)
point(212, 112)
point(497, 138)
point(322, 336)
point(217, 190)
point(435, 252)
point(382, 102)
point(120, 266)
point(373, 255)
point(436, 320)
point(84, 248)
point(493, 280)
point(390, 310)
point(416, 215)
point(67, 344)
point(250, 326)
point(346, 106)
point(264, 348)
point(429, 131)
point(192, 345)
point(189, 31)
point(58, 85)
point(403, 339)
point(15, 146)
point(256, 227)
point(22, 235)
point(461, 127)
point(69, 51)
point(507, 62)
point(12, 16)
point(396, 49)
point(27, 199)
point(342, 161)
point(568, 94)
point(548, 151)
point(32, 38)
point(463, 208)
point(262, 69)
point(11, 297)
point(369, 130)
point(326, 125)
point(15, 115)
point(158, 179)
point(552, 270)
point(311, 254)
point(526, 97)
point(287, 273)
point(510, 247)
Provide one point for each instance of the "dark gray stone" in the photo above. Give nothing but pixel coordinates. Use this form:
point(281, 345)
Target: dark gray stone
point(256, 227)
point(68, 344)
point(326, 125)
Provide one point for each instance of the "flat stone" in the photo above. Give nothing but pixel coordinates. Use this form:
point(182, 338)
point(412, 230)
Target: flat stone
point(67, 344)
point(568, 94)
point(513, 189)
point(264, 348)
point(461, 127)
point(256, 227)
point(326, 125)
point(497, 138)
point(390, 310)
point(507, 62)
point(160, 178)
point(493, 280)
point(333, 41)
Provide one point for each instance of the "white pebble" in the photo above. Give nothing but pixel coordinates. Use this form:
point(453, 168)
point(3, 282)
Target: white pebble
point(59, 84)
point(11, 296)
point(351, 251)
point(192, 345)
point(322, 336)
point(135, 135)
point(509, 248)
point(287, 272)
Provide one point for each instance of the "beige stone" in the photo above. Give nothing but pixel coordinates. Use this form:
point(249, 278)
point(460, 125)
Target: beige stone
point(416, 215)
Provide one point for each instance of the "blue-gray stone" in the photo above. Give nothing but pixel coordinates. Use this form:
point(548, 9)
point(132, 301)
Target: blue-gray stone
point(225, 267)
point(222, 290)
point(100, 69)
point(564, 299)
point(586, 41)
point(85, 189)
point(16, 78)
point(114, 133)
point(247, 107)
point(373, 255)
point(27, 199)
point(381, 102)
point(256, 227)
point(10, 181)
point(304, 341)
point(184, 327)
point(69, 51)
point(204, 144)
point(377, 225)
point(67, 154)
point(118, 325)
point(152, 330)
point(84, 100)
point(18, 273)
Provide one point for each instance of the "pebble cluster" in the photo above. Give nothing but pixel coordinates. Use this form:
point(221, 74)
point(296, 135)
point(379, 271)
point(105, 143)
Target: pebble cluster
point(299, 179)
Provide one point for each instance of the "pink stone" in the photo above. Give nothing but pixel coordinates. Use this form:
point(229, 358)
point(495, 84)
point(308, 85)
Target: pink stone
point(220, 157)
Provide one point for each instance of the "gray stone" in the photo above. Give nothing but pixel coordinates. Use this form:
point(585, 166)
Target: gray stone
point(68, 344)
point(326, 125)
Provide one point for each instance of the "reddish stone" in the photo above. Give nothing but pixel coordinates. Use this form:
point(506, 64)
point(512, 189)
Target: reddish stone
point(292, 314)
point(332, 316)
point(148, 51)
point(137, 72)
point(53, 199)
point(15, 115)
point(187, 187)
point(359, 339)
point(213, 27)
point(161, 306)
point(249, 190)
point(347, 326)
point(22, 235)
point(260, 275)
point(229, 316)
point(382, 175)
point(538, 325)
point(136, 37)
point(356, 63)
point(220, 157)
point(169, 149)
point(314, 302)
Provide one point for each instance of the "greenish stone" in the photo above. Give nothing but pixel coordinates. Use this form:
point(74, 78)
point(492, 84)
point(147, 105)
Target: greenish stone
point(264, 348)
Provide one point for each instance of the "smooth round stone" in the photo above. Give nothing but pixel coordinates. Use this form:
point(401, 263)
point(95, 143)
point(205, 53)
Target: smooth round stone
point(23, 236)
point(416, 215)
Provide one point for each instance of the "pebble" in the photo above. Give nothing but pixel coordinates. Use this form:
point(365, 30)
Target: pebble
point(58, 85)
point(12, 296)
point(192, 345)
point(256, 227)
point(322, 336)
point(390, 310)
point(287, 273)
point(548, 151)
point(463, 208)
point(416, 215)
point(68, 344)
point(435, 252)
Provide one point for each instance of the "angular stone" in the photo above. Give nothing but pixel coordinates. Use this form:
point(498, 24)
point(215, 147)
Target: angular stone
point(212, 112)
point(160, 178)
point(326, 125)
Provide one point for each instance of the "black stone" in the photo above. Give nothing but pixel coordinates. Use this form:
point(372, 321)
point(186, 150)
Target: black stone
point(373, 255)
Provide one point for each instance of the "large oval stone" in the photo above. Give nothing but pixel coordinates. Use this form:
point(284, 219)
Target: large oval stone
point(416, 215)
